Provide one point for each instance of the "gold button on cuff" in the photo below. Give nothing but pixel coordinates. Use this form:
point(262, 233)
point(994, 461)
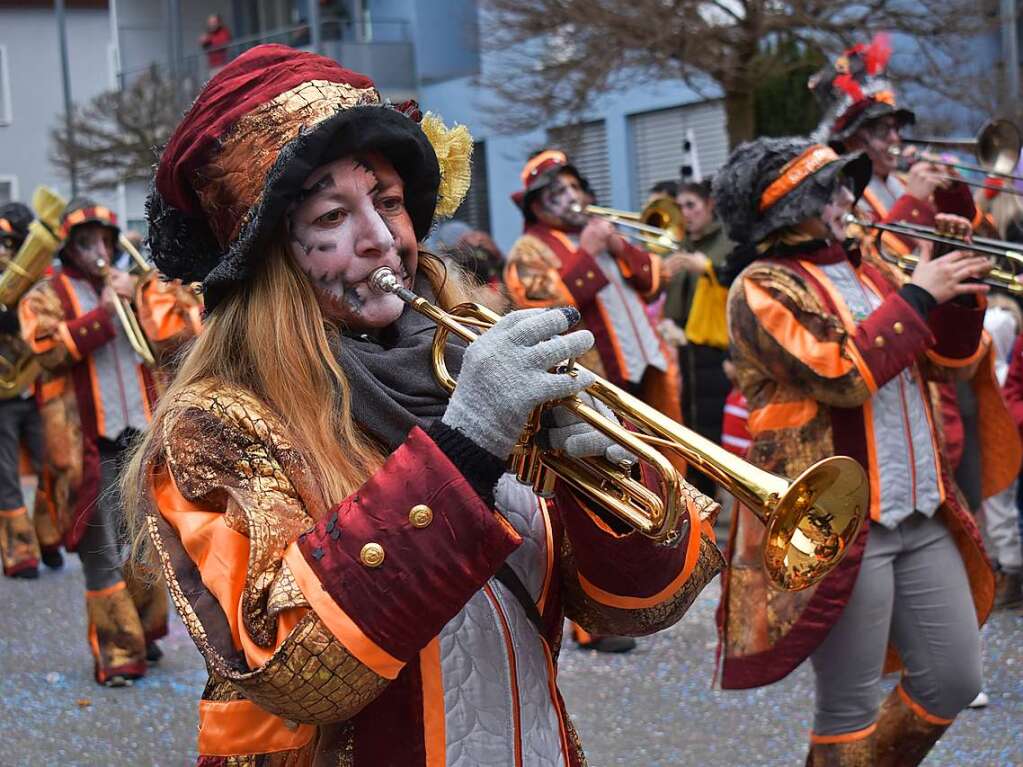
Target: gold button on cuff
point(579, 283)
point(589, 275)
point(879, 342)
point(420, 516)
point(372, 555)
point(898, 328)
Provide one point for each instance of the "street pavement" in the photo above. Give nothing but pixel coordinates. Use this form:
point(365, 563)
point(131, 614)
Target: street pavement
point(654, 706)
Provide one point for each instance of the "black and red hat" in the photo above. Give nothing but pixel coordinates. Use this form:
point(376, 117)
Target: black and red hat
point(14, 220)
point(82, 210)
point(255, 133)
point(853, 91)
point(771, 183)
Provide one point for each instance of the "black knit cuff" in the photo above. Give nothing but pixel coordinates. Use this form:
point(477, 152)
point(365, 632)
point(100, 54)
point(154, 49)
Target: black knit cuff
point(480, 468)
point(919, 298)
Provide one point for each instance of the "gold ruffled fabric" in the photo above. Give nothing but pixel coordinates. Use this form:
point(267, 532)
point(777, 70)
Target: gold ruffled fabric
point(453, 147)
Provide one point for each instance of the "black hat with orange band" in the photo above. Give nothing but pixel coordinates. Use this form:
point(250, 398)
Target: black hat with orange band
point(772, 183)
point(81, 211)
point(14, 220)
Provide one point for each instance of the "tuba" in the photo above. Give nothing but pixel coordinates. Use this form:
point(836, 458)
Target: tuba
point(811, 521)
point(18, 367)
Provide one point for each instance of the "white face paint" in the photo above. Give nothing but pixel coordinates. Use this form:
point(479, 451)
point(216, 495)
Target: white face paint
point(834, 212)
point(350, 220)
point(89, 244)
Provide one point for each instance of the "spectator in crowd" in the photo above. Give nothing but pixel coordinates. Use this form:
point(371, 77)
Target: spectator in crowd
point(476, 254)
point(214, 42)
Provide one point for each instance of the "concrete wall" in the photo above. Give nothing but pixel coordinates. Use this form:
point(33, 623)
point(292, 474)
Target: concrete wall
point(461, 101)
point(30, 38)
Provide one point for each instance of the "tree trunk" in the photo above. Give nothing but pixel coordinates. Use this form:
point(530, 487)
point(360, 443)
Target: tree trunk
point(739, 114)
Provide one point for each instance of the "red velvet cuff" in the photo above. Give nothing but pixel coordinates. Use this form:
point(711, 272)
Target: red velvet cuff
point(912, 210)
point(91, 330)
point(955, 199)
point(631, 565)
point(891, 338)
point(957, 328)
point(440, 543)
point(583, 277)
point(640, 266)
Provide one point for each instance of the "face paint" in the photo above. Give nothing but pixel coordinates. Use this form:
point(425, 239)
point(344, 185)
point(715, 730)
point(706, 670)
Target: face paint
point(8, 247)
point(349, 220)
point(838, 206)
point(559, 198)
point(89, 244)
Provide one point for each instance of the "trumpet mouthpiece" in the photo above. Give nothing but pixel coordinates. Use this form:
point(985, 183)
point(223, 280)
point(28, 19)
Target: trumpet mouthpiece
point(384, 280)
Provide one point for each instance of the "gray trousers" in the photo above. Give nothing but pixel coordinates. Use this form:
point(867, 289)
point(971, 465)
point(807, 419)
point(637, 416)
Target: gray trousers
point(19, 421)
point(912, 586)
point(102, 546)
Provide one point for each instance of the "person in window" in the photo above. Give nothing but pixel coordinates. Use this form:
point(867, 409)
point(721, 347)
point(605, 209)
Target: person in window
point(339, 534)
point(833, 350)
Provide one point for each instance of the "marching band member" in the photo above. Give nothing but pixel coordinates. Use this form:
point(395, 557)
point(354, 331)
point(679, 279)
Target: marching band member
point(860, 114)
point(96, 397)
point(20, 549)
point(362, 582)
point(833, 356)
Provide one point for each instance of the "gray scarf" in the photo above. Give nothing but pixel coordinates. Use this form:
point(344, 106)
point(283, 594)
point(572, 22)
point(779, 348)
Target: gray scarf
point(391, 377)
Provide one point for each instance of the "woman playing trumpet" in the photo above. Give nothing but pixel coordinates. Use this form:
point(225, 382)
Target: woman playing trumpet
point(833, 352)
point(366, 584)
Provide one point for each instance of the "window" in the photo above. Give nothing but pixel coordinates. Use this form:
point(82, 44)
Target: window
point(658, 139)
point(475, 208)
point(586, 147)
point(8, 189)
point(5, 88)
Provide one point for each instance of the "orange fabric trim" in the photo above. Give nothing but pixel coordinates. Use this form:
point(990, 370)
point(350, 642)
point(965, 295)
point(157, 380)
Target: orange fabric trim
point(952, 362)
point(513, 672)
point(517, 290)
point(613, 338)
point(434, 718)
point(919, 710)
point(240, 727)
point(795, 172)
point(156, 304)
point(29, 324)
point(637, 603)
point(845, 737)
point(97, 211)
point(549, 567)
point(13, 513)
point(847, 322)
point(822, 357)
point(51, 389)
point(101, 418)
point(875, 203)
point(100, 593)
point(552, 689)
point(69, 342)
point(781, 415)
point(550, 155)
point(337, 621)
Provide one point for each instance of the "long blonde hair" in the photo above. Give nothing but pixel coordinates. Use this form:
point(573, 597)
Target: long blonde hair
point(270, 338)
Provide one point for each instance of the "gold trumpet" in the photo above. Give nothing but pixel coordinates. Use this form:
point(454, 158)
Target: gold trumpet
point(122, 306)
point(659, 227)
point(1005, 277)
point(811, 521)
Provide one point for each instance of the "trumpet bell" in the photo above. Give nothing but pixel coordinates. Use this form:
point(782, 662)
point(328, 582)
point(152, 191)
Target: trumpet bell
point(998, 146)
point(814, 523)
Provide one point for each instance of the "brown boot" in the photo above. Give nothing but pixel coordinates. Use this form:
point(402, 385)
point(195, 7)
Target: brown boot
point(115, 636)
point(46, 532)
point(854, 750)
point(149, 594)
point(905, 731)
point(19, 550)
point(1008, 590)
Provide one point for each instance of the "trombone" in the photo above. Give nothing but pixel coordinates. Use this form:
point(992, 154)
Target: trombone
point(811, 521)
point(996, 147)
point(1005, 277)
point(122, 306)
point(659, 227)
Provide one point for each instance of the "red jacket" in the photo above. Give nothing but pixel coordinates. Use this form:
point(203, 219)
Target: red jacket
point(1014, 384)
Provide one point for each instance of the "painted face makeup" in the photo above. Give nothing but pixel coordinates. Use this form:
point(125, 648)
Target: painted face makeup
point(350, 219)
point(90, 244)
point(559, 198)
point(840, 204)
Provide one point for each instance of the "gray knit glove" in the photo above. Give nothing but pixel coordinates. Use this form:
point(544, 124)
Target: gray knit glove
point(505, 375)
point(578, 439)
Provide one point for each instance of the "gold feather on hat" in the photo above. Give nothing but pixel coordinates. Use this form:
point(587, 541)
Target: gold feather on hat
point(453, 147)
